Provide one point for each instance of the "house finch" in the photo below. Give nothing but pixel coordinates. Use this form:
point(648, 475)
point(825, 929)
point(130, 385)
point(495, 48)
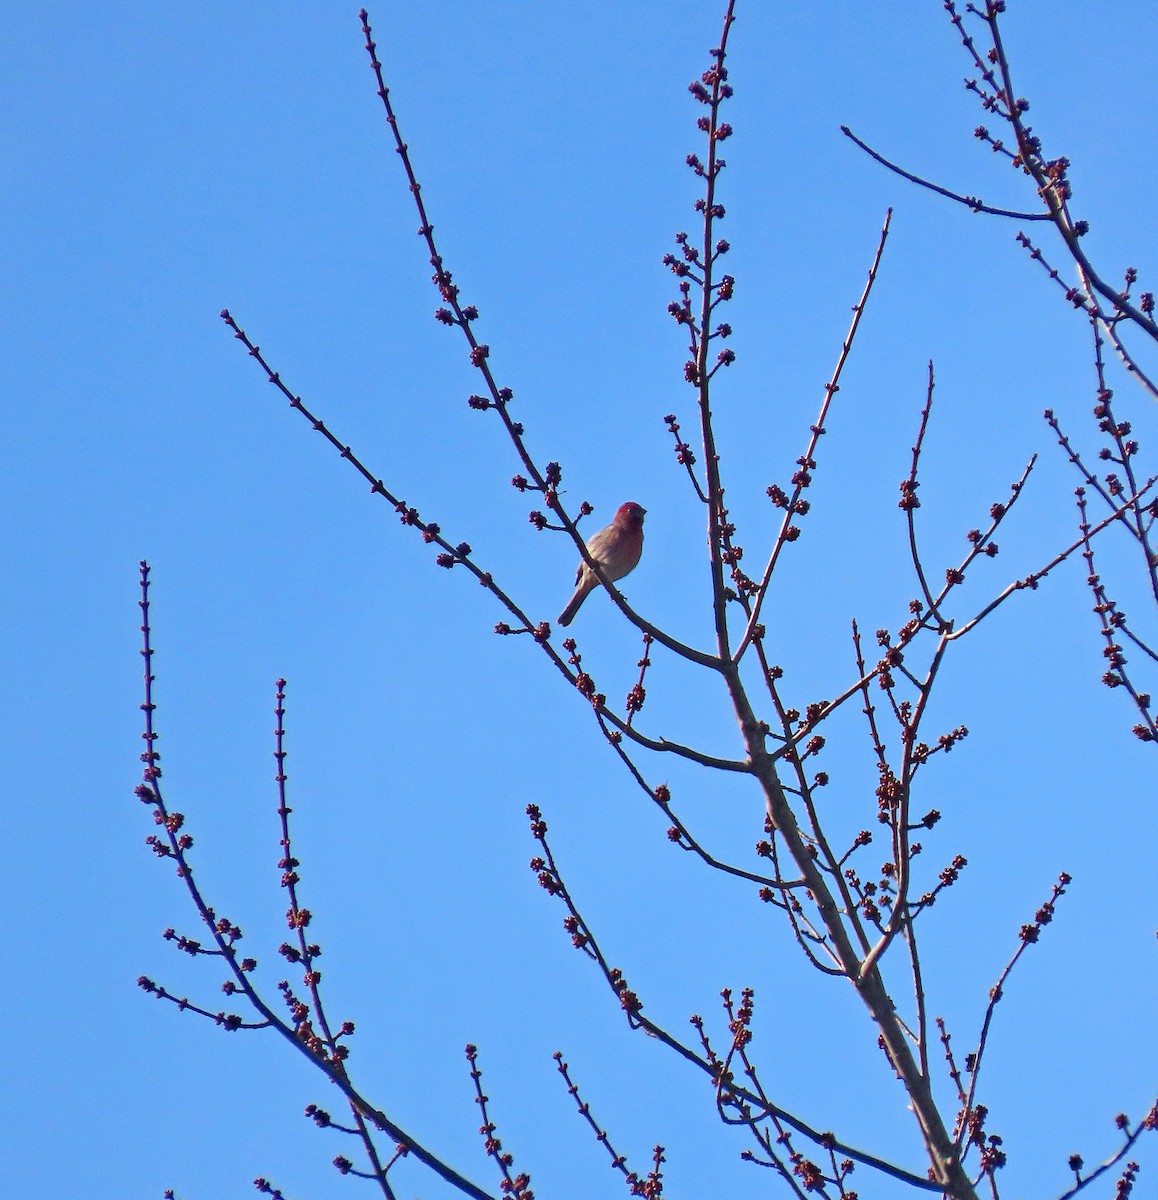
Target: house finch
point(616, 549)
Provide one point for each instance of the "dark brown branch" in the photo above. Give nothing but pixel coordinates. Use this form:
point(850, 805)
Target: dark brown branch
point(803, 930)
point(910, 503)
point(716, 81)
point(618, 1161)
point(970, 202)
point(638, 694)
point(1028, 936)
point(1032, 580)
point(1113, 625)
point(516, 1187)
point(685, 456)
point(678, 832)
point(900, 918)
point(1149, 1123)
point(1127, 449)
point(288, 865)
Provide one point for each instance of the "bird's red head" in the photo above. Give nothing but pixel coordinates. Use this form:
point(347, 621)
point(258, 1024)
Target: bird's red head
point(630, 514)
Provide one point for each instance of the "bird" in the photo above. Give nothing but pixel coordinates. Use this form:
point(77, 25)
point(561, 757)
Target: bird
point(615, 548)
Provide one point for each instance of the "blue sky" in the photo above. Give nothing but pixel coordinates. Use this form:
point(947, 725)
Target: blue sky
point(161, 164)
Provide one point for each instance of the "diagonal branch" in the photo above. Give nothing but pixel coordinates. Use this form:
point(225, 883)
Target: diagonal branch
point(545, 481)
point(970, 202)
point(1034, 578)
point(149, 792)
point(584, 939)
point(461, 555)
point(792, 505)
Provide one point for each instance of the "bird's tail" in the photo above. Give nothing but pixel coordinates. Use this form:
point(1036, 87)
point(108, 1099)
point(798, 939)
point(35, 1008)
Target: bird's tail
point(574, 604)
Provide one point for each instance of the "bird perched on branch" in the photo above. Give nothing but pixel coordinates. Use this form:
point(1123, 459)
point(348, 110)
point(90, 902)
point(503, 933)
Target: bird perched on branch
point(616, 549)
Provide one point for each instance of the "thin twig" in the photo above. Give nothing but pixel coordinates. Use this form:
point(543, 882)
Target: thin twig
point(970, 202)
point(1147, 1124)
point(792, 503)
point(618, 1161)
point(1029, 934)
point(1034, 578)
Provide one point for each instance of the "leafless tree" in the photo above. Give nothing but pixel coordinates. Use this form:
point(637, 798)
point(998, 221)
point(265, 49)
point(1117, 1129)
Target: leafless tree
point(857, 922)
point(1114, 315)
